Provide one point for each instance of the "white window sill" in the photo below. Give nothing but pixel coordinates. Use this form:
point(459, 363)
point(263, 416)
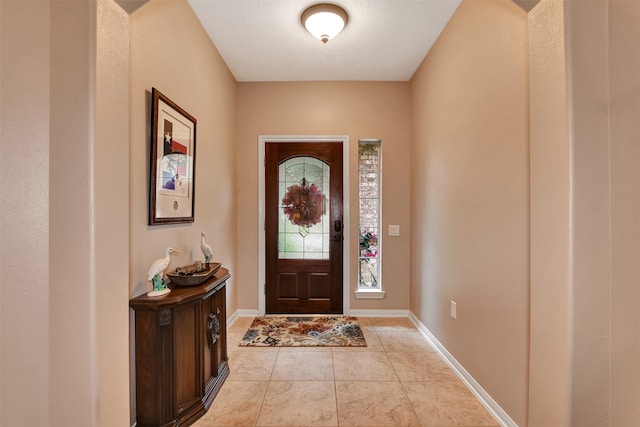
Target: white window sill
point(369, 294)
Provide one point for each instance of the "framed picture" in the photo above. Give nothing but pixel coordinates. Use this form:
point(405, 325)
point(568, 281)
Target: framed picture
point(173, 161)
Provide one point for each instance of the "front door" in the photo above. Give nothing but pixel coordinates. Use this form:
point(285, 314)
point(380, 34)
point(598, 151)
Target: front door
point(303, 228)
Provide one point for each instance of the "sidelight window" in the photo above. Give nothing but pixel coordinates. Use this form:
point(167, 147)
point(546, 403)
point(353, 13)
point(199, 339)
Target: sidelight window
point(369, 253)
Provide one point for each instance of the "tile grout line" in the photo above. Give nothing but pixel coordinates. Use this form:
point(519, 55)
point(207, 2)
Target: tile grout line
point(335, 387)
point(404, 390)
point(264, 396)
point(266, 390)
point(415, 413)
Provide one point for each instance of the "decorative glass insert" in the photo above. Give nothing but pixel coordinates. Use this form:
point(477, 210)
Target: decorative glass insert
point(369, 214)
point(303, 218)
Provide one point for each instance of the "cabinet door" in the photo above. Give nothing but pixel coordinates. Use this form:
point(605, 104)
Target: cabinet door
point(215, 340)
point(186, 356)
point(154, 367)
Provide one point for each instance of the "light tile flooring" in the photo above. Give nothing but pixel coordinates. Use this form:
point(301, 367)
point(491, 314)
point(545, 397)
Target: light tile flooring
point(397, 380)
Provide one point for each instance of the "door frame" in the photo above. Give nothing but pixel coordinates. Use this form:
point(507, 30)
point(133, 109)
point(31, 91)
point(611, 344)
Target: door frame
point(346, 252)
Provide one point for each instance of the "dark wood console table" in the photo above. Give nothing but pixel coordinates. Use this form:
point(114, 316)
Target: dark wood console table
point(181, 352)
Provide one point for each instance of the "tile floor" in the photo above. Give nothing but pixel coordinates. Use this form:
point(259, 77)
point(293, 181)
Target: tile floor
point(397, 380)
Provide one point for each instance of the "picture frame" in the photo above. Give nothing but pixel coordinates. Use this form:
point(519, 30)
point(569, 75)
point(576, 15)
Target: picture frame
point(172, 162)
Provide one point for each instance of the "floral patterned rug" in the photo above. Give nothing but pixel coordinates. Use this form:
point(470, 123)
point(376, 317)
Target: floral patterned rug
point(336, 331)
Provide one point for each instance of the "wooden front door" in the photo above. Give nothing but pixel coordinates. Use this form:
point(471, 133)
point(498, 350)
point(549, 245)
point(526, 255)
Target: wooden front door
point(303, 228)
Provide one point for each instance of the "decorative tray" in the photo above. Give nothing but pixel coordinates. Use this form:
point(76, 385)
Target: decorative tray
point(194, 274)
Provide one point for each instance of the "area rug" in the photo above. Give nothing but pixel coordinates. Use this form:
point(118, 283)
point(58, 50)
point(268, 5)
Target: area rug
point(336, 331)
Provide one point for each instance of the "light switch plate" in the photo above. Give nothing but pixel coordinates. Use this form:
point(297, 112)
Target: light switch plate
point(394, 230)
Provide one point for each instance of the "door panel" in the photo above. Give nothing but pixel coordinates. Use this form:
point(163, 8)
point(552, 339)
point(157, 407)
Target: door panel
point(303, 228)
point(187, 377)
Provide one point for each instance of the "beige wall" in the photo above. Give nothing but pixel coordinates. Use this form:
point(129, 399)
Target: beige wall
point(604, 97)
point(65, 355)
point(88, 220)
point(585, 104)
point(188, 70)
point(356, 109)
point(171, 52)
point(587, 28)
point(72, 319)
point(24, 212)
point(624, 109)
point(551, 315)
point(470, 196)
point(111, 212)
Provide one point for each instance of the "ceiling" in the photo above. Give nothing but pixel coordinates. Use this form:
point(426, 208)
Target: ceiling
point(264, 40)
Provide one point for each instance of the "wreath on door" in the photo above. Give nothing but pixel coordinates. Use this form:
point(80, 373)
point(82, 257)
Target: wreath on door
point(304, 204)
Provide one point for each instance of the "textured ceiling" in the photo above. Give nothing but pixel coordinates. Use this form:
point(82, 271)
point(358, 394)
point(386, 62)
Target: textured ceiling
point(263, 40)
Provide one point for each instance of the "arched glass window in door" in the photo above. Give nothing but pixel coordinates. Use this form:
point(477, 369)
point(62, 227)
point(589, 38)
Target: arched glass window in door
point(303, 218)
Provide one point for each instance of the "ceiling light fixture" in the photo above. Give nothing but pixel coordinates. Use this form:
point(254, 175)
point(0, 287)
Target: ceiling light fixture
point(324, 20)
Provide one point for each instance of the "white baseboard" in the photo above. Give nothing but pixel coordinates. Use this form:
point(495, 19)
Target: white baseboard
point(241, 313)
point(352, 312)
point(247, 313)
point(378, 313)
point(232, 318)
point(487, 401)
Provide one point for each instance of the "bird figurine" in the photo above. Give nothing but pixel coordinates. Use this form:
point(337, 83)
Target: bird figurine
point(156, 272)
point(206, 249)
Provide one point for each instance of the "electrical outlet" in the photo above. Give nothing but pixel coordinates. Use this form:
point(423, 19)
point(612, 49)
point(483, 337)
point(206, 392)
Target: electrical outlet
point(454, 309)
point(394, 230)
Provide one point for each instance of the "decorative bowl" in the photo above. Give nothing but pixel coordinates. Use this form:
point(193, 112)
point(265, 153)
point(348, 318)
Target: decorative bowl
point(194, 274)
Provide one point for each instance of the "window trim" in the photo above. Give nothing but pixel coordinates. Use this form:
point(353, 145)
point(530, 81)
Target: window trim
point(369, 293)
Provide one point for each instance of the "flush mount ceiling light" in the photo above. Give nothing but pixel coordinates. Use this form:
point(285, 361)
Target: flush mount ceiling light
point(324, 20)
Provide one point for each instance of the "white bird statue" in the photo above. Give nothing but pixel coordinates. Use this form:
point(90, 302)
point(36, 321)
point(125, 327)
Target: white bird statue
point(156, 272)
point(206, 249)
